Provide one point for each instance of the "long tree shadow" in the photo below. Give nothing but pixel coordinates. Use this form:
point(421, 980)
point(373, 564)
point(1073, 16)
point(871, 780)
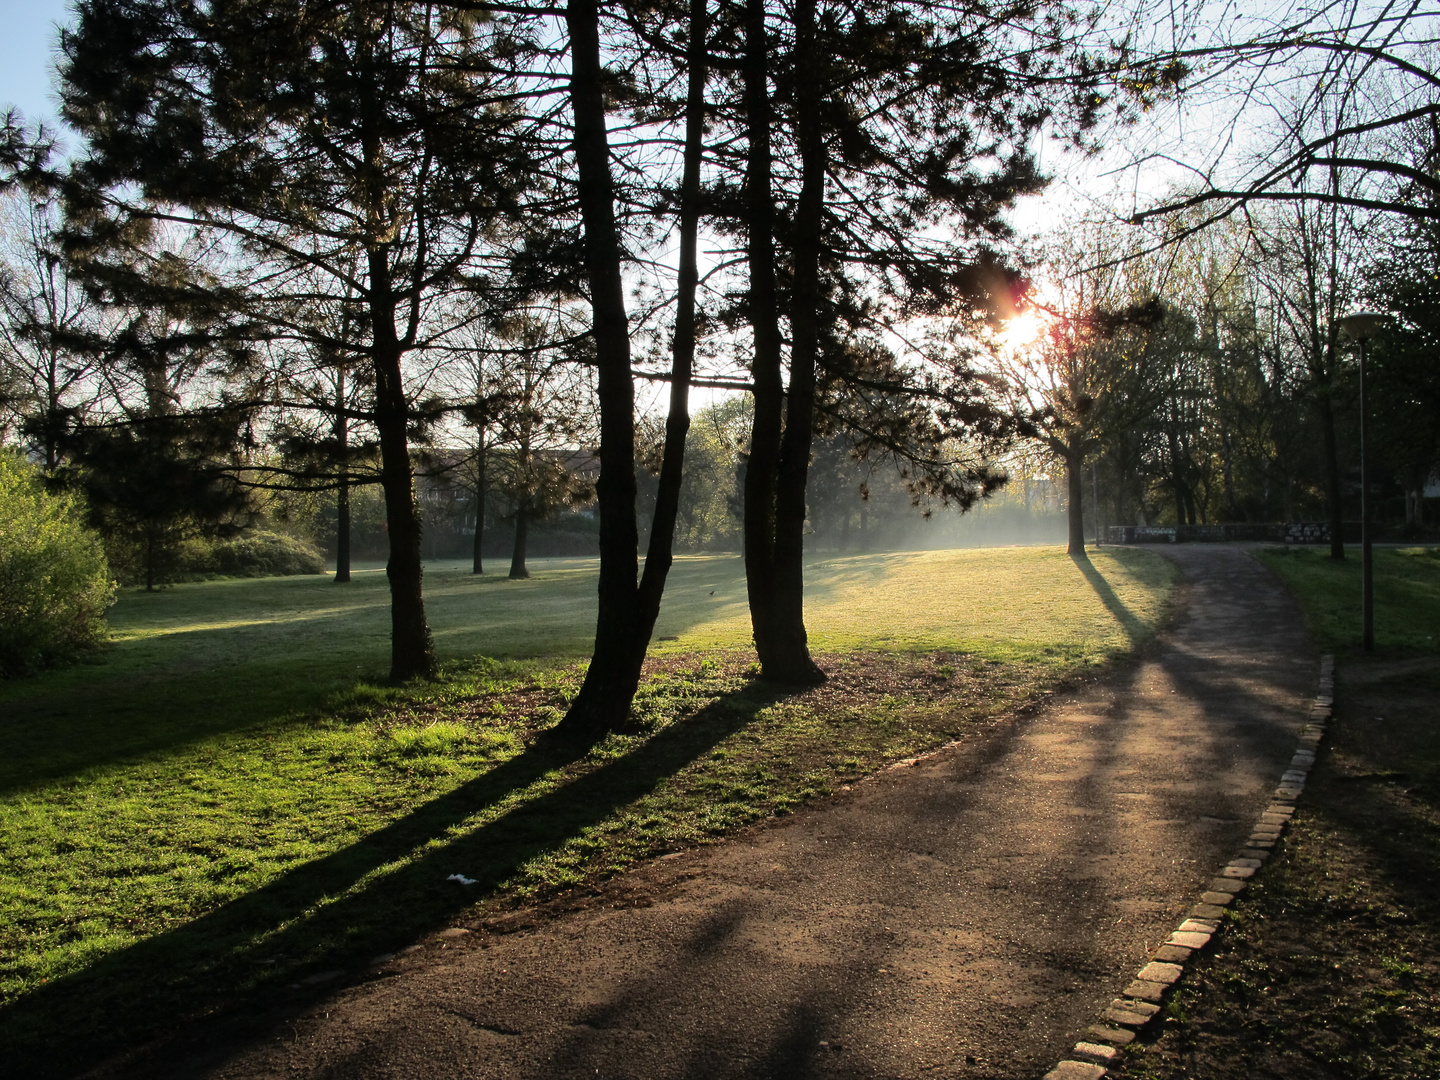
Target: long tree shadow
point(1385, 801)
point(374, 896)
point(1133, 626)
point(263, 669)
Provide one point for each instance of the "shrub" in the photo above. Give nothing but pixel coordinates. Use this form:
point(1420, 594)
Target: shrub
point(54, 582)
point(254, 554)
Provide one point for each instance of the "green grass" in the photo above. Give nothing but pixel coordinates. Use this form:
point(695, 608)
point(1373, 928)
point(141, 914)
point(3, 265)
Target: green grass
point(1407, 596)
point(229, 799)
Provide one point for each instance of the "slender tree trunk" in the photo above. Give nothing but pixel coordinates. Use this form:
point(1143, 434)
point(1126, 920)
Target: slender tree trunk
point(603, 703)
point(342, 531)
point(1075, 499)
point(150, 559)
point(52, 421)
point(1177, 485)
point(1232, 504)
point(518, 570)
point(1335, 505)
point(526, 463)
point(659, 554)
point(784, 649)
point(477, 564)
point(412, 653)
point(622, 660)
point(342, 493)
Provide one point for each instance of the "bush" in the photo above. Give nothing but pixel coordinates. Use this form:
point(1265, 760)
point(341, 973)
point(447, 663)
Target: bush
point(54, 581)
point(255, 554)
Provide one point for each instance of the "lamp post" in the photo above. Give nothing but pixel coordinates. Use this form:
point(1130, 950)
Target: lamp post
point(1361, 327)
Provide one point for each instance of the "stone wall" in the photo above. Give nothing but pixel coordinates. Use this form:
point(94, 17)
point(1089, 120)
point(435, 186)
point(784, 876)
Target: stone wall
point(1295, 532)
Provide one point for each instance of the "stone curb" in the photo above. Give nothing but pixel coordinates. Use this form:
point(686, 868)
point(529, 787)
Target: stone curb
point(1103, 1042)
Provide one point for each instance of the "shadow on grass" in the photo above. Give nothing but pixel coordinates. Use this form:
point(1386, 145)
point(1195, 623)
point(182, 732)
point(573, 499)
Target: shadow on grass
point(339, 910)
point(1385, 798)
point(69, 722)
point(157, 695)
point(1133, 626)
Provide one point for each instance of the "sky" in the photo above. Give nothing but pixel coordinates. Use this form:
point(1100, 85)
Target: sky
point(27, 50)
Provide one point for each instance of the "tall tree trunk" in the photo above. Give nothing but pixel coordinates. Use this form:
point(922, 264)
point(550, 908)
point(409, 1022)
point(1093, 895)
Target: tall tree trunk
point(1075, 500)
point(526, 464)
point(659, 554)
point(342, 492)
point(518, 570)
point(342, 530)
point(613, 677)
point(1177, 485)
point(477, 563)
point(1232, 504)
point(784, 649)
point(1335, 506)
point(412, 653)
point(150, 557)
point(761, 472)
point(603, 703)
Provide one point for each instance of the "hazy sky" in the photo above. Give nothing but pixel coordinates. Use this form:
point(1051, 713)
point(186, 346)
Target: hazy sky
point(27, 46)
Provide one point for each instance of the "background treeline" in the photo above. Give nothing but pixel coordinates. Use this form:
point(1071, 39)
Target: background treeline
point(1200, 376)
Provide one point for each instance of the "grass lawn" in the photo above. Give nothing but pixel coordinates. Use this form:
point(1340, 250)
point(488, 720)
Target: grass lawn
point(1407, 596)
point(1329, 967)
point(229, 800)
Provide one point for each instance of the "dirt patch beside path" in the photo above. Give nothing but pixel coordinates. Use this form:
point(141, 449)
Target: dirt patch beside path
point(967, 915)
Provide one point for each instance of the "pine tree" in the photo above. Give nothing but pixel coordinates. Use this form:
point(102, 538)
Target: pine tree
point(323, 150)
point(882, 148)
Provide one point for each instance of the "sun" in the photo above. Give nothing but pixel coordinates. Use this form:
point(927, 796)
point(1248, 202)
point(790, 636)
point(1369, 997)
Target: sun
point(1023, 330)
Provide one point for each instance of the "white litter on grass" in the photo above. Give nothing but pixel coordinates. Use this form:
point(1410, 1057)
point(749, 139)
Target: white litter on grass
point(461, 878)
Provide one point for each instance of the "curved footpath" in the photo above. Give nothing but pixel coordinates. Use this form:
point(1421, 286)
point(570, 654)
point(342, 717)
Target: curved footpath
point(969, 915)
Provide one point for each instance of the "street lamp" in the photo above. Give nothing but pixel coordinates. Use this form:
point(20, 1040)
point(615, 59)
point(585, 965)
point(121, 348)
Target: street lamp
point(1361, 327)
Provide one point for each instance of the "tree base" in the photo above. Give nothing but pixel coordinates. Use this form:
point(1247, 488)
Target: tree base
point(589, 720)
point(793, 671)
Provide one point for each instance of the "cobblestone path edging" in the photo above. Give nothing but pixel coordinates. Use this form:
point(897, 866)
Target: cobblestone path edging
point(1142, 999)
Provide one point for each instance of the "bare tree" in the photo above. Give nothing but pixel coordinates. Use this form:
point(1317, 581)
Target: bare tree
point(1309, 260)
point(45, 320)
point(1337, 103)
point(1089, 374)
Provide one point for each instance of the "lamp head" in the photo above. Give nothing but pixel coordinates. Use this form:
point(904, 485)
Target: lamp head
point(1362, 325)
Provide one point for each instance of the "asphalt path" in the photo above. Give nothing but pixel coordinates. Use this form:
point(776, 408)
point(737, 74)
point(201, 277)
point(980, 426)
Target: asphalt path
point(967, 915)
